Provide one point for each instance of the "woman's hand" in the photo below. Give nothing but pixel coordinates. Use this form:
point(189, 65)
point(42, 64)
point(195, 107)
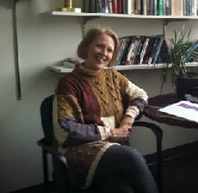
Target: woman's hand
point(127, 122)
point(122, 133)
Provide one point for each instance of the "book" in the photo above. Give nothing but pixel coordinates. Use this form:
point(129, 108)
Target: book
point(136, 40)
point(119, 6)
point(109, 4)
point(164, 54)
point(183, 109)
point(155, 7)
point(151, 7)
point(157, 49)
point(197, 7)
point(132, 6)
point(149, 49)
point(124, 9)
point(72, 61)
point(139, 49)
point(128, 7)
point(92, 6)
point(126, 50)
point(188, 7)
point(131, 48)
point(160, 7)
point(168, 7)
point(85, 6)
point(184, 7)
point(99, 6)
point(138, 7)
point(114, 6)
point(122, 46)
point(177, 7)
point(145, 7)
point(144, 48)
point(103, 6)
point(153, 48)
point(193, 7)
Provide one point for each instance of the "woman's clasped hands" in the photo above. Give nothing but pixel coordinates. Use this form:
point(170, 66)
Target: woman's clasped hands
point(122, 133)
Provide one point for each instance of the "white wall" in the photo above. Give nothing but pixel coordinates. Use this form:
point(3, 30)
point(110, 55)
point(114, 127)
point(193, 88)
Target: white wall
point(43, 41)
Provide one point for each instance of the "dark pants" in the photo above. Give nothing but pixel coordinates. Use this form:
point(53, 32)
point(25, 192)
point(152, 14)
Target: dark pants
point(122, 169)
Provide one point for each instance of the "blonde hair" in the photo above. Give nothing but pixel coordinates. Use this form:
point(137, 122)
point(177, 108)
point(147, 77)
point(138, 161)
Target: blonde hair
point(91, 35)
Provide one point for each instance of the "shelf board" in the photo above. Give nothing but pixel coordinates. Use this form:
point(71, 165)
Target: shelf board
point(63, 69)
point(85, 17)
point(60, 69)
point(113, 15)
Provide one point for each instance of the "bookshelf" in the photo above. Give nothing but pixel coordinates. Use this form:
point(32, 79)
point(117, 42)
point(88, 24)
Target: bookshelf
point(89, 16)
point(63, 69)
point(85, 17)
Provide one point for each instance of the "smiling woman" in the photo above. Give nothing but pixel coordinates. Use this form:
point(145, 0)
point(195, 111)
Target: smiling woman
point(94, 109)
point(100, 39)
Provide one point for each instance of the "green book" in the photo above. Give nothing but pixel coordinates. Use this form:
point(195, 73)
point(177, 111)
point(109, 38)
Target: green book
point(160, 7)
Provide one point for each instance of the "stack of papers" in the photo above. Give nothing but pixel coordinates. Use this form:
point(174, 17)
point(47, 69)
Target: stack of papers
point(183, 109)
point(71, 62)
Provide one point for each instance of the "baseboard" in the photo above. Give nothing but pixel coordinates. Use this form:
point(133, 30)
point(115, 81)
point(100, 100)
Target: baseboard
point(173, 152)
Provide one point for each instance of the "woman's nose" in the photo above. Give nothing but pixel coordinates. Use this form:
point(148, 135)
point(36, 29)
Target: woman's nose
point(104, 51)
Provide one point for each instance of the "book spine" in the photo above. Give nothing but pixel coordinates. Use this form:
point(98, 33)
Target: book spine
point(193, 7)
point(122, 46)
point(151, 7)
point(124, 10)
point(86, 6)
point(136, 44)
point(114, 6)
point(106, 6)
point(158, 48)
point(145, 7)
point(131, 48)
point(197, 7)
point(184, 7)
point(139, 49)
point(98, 6)
point(188, 7)
point(126, 50)
point(110, 8)
point(92, 6)
point(119, 6)
point(144, 49)
point(176, 8)
point(165, 52)
point(153, 47)
point(155, 7)
point(160, 7)
point(138, 7)
point(132, 6)
point(128, 7)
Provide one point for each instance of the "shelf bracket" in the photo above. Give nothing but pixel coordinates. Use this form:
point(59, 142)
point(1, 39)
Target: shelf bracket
point(16, 52)
point(83, 20)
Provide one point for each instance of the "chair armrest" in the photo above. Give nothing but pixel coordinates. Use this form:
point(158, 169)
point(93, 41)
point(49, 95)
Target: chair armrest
point(156, 129)
point(52, 150)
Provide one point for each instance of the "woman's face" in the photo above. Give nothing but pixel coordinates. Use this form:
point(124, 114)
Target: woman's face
point(99, 52)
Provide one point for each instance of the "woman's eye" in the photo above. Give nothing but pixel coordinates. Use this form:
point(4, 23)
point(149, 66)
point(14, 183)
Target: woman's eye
point(99, 46)
point(110, 50)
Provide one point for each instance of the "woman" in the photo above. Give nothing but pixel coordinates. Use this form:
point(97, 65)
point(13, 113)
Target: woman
point(94, 110)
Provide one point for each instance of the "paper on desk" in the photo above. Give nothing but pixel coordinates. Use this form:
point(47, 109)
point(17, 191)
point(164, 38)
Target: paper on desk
point(183, 109)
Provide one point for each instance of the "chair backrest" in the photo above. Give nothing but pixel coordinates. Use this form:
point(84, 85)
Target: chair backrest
point(46, 118)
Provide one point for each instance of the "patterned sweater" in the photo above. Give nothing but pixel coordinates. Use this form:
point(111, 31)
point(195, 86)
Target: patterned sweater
point(84, 103)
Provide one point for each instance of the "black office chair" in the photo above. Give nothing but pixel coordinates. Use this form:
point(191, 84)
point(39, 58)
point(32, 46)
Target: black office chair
point(60, 162)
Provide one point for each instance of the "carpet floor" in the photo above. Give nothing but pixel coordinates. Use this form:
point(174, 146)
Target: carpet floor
point(180, 175)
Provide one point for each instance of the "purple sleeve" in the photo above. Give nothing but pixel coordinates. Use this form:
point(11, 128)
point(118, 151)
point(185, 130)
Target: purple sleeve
point(79, 133)
point(139, 103)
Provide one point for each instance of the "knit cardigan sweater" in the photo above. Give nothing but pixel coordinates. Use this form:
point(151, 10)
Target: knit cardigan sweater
point(84, 104)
